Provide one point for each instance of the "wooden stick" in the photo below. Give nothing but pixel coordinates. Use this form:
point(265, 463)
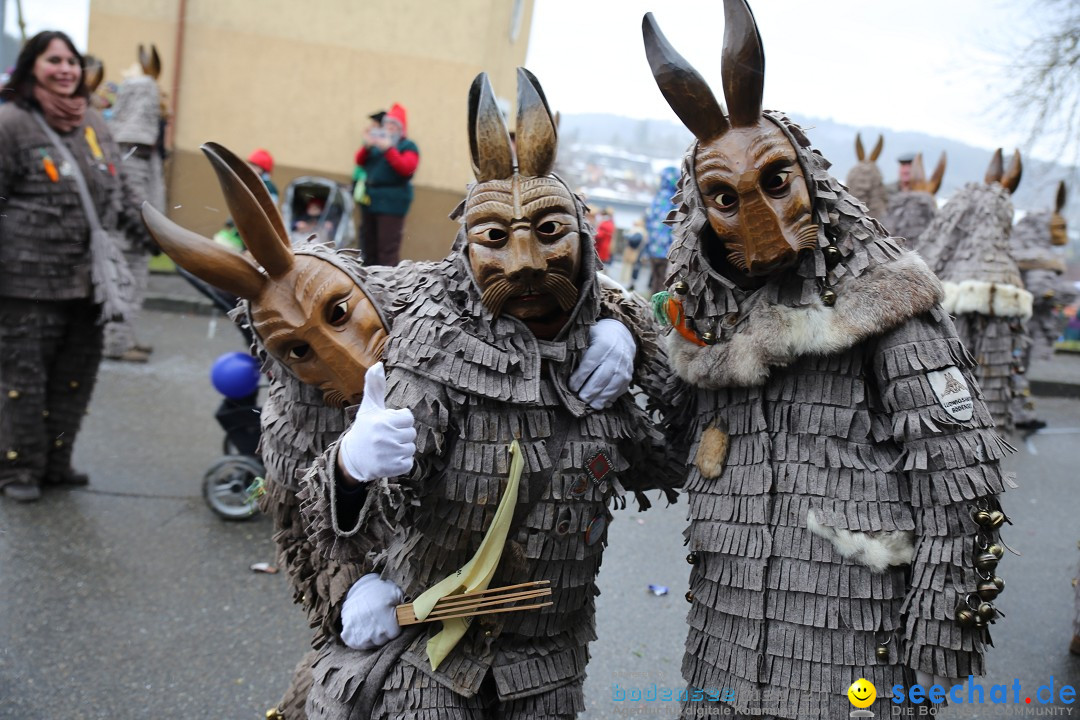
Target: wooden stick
point(478, 603)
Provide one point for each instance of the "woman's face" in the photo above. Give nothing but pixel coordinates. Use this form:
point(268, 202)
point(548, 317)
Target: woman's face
point(57, 69)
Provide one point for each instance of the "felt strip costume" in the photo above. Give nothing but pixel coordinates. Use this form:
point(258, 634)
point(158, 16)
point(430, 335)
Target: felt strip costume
point(967, 245)
point(910, 212)
point(841, 447)
point(476, 380)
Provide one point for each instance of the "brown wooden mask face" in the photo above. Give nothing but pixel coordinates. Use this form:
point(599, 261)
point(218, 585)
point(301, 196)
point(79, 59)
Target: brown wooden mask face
point(756, 197)
point(524, 246)
point(746, 169)
point(524, 240)
point(310, 314)
point(319, 323)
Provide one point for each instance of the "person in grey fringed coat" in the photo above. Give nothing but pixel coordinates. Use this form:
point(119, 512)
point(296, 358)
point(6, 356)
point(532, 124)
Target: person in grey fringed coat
point(967, 246)
point(1032, 245)
point(911, 211)
point(845, 470)
point(135, 123)
point(481, 364)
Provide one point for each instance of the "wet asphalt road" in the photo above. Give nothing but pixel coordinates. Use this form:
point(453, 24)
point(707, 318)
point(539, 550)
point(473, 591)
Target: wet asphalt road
point(130, 599)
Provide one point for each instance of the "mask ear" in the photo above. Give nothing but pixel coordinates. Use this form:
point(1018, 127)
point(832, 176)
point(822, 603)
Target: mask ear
point(252, 209)
point(939, 173)
point(489, 142)
point(537, 139)
point(860, 154)
point(204, 258)
point(1012, 177)
point(93, 74)
point(1059, 201)
point(876, 152)
point(742, 64)
point(682, 86)
point(994, 170)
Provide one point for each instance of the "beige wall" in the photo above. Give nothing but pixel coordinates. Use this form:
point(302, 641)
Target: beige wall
point(300, 79)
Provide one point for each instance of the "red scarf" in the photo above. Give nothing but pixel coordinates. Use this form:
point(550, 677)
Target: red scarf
point(63, 114)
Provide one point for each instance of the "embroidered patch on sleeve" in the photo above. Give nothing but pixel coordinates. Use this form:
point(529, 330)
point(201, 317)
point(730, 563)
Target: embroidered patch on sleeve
point(952, 392)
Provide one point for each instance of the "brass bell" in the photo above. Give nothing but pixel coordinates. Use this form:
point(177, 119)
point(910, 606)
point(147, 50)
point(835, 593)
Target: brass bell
point(997, 518)
point(965, 616)
point(58, 442)
point(74, 384)
point(996, 550)
point(828, 297)
point(689, 596)
point(988, 590)
point(44, 413)
point(692, 558)
point(882, 653)
point(986, 561)
point(681, 288)
point(999, 583)
point(981, 517)
point(12, 455)
point(832, 255)
point(986, 612)
point(708, 338)
point(13, 394)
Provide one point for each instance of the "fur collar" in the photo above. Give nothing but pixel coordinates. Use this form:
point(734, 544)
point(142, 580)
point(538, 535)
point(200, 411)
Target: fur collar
point(764, 334)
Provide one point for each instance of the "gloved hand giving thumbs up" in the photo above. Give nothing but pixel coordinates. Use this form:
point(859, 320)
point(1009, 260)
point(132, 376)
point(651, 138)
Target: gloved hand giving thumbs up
point(381, 442)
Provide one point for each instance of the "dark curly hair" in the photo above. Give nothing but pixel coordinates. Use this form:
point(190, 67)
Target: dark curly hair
point(20, 87)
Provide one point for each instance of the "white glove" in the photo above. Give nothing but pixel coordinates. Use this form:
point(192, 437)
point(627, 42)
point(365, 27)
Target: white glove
point(928, 681)
point(607, 367)
point(368, 620)
point(380, 442)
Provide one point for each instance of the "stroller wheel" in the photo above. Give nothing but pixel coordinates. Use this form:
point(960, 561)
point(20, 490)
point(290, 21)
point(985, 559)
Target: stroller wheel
point(226, 483)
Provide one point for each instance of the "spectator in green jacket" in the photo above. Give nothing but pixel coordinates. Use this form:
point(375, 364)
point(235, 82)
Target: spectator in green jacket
point(389, 160)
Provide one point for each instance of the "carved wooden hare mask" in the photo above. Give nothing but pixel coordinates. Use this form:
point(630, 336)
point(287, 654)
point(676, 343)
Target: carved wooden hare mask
point(747, 171)
point(310, 313)
point(521, 223)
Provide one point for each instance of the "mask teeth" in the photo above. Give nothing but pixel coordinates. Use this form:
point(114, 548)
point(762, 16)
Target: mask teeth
point(334, 398)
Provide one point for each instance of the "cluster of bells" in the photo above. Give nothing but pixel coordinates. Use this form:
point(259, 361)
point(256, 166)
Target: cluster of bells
point(976, 610)
point(13, 455)
point(828, 295)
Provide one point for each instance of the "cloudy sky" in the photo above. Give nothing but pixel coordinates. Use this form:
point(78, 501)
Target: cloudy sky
point(935, 66)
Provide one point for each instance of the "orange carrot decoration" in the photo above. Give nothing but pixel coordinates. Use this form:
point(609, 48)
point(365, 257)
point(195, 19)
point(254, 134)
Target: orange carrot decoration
point(668, 310)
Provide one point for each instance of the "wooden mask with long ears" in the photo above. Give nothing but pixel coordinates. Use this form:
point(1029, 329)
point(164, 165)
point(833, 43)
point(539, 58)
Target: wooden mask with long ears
point(864, 180)
point(754, 190)
point(919, 181)
point(1058, 235)
point(150, 61)
point(310, 313)
point(1007, 179)
point(521, 222)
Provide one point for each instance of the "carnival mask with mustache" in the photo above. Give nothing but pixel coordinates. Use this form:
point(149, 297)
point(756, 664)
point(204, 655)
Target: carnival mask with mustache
point(521, 224)
point(747, 171)
point(310, 314)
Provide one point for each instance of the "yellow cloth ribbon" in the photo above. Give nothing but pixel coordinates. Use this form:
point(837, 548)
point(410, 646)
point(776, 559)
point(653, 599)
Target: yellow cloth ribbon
point(476, 574)
point(92, 141)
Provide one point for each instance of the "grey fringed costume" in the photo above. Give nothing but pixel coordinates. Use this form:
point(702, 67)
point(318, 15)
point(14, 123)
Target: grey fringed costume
point(297, 425)
point(967, 245)
point(1041, 269)
point(475, 383)
point(865, 183)
point(135, 125)
point(50, 336)
point(909, 214)
point(831, 494)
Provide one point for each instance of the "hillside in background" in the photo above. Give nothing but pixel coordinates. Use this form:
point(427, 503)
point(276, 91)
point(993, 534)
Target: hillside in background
point(661, 139)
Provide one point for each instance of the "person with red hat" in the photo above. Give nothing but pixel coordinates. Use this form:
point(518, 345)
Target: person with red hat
point(263, 163)
point(389, 160)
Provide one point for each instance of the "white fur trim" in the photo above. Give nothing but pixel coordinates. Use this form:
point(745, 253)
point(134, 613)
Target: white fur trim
point(979, 296)
point(876, 551)
point(769, 336)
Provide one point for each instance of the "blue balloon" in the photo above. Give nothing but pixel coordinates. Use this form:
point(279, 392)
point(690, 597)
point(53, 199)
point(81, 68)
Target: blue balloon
point(235, 375)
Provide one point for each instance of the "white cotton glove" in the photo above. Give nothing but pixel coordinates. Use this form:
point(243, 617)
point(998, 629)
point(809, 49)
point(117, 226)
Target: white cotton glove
point(368, 620)
point(381, 442)
point(928, 681)
point(607, 367)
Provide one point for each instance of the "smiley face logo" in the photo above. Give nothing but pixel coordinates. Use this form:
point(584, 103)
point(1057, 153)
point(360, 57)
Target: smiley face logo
point(862, 693)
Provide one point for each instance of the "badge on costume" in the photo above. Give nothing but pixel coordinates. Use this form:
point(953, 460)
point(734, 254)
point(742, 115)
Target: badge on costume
point(952, 392)
point(599, 467)
point(92, 141)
